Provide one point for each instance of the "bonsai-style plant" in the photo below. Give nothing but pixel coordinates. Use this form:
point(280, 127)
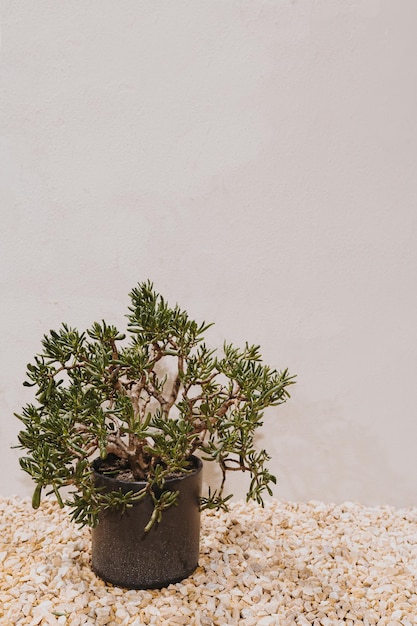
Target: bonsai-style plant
point(144, 405)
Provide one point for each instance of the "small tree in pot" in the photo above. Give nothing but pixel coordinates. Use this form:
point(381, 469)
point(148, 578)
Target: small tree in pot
point(121, 424)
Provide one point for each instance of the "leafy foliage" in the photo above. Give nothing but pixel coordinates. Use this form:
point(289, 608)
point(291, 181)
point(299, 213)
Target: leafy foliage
point(152, 402)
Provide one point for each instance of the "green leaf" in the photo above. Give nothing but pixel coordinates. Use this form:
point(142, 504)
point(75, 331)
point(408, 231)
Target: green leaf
point(36, 498)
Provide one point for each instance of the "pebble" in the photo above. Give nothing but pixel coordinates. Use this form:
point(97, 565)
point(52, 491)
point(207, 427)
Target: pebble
point(289, 564)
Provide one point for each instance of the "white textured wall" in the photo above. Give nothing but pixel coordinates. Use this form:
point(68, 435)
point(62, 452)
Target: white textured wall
point(257, 160)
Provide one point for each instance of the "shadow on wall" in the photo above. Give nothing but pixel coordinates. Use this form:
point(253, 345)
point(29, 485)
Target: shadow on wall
point(333, 459)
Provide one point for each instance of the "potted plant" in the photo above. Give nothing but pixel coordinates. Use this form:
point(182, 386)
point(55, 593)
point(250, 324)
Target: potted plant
point(123, 425)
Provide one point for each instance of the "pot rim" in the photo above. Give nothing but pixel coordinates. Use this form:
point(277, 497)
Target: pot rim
point(113, 480)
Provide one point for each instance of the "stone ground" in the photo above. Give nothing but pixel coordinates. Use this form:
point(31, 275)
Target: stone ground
point(285, 564)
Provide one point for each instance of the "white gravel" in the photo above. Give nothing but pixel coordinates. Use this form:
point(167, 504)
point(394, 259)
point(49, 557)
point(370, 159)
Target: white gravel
point(286, 564)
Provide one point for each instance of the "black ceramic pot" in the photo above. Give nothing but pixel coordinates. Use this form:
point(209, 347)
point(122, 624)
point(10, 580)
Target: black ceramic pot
point(124, 555)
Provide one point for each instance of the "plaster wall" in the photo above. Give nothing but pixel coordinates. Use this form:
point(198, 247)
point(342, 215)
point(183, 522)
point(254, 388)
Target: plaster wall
point(256, 160)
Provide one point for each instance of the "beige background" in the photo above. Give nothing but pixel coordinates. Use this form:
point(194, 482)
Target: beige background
point(255, 159)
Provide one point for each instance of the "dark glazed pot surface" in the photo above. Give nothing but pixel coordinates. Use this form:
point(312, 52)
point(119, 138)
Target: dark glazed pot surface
point(124, 555)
